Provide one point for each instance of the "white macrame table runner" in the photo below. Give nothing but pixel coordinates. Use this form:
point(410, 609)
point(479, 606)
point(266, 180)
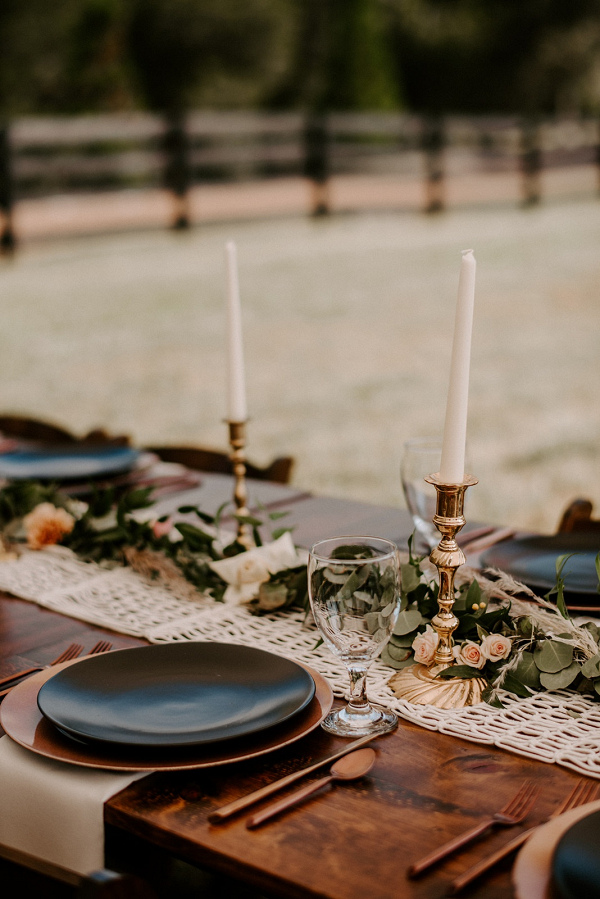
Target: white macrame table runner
point(561, 727)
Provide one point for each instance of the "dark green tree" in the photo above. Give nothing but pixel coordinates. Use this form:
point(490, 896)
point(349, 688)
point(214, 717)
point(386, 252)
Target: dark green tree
point(502, 55)
point(96, 75)
point(341, 61)
point(176, 45)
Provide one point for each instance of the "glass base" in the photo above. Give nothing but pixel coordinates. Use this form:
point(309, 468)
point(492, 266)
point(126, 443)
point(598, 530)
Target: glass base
point(346, 723)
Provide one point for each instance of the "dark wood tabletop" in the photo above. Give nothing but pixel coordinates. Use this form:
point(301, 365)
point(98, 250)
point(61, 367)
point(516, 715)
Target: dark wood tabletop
point(350, 841)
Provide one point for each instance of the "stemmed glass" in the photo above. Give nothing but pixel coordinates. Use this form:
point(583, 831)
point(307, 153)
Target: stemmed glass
point(421, 457)
point(354, 591)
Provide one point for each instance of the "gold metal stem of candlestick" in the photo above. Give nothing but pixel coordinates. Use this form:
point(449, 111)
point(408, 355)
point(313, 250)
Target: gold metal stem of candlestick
point(237, 441)
point(419, 683)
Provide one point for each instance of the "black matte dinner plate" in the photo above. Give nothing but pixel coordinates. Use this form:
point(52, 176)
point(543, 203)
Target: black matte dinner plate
point(576, 861)
point(175, 695)
point(532, 560)
point(67, 463)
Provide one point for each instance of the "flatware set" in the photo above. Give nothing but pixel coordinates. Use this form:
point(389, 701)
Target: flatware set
point(239, 804)
point(515, 811)
point(349, 767)
point(73, 651)
point(582, 793)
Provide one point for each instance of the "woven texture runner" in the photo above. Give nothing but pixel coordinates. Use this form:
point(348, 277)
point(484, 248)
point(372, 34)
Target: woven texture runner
point(561, 728)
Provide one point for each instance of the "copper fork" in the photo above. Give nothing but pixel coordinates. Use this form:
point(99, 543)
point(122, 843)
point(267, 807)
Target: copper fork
point(71, 652)
point(515, 811)
point(582, 793)
point(101, 646)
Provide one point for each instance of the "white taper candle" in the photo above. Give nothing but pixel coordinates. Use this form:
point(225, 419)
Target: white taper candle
point(452, 468)
point(236, 383)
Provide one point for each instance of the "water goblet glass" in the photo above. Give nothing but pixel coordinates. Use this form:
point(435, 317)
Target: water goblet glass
point(354, 591)
point(421, 457)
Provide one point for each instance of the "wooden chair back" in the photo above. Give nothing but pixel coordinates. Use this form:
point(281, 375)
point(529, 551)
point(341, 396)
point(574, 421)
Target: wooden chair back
point(578, 517)
point(200, 459)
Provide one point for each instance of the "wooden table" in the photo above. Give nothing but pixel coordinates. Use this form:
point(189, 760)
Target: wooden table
point(349, 842)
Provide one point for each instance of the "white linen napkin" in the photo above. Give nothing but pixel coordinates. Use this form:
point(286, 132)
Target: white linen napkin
point(53, 810)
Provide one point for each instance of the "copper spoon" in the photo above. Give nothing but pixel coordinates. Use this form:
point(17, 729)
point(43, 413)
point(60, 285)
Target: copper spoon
point(350, 767)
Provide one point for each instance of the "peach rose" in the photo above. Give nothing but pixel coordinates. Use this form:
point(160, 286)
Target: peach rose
point(162, 528)
point(425, 645)
point(495, 647)
point(46, 525)
point(469, 653)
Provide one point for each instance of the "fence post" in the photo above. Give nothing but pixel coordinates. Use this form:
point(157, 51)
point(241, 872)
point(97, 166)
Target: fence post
point(433, 142)
point(531, 163)
point(598, 155)
point(8, 240)
point(316, 161)
point(178, 171)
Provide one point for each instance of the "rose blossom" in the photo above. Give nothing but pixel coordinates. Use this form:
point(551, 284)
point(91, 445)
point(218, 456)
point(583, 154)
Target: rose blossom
point(161, 528)
point(495, 647)
point(469, 653)
point(251, 568)
point(425, 645)
point(47, 525)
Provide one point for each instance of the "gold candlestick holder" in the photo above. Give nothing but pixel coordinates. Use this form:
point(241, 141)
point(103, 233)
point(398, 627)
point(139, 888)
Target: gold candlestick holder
point(419, 683)
point(237, 441)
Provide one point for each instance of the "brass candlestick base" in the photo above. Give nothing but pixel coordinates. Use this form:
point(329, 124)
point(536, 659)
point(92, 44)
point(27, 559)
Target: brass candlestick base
point(419, 684)
point(237, 441)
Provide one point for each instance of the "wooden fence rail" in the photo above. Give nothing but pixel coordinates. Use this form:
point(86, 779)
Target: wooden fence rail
point(44, 156)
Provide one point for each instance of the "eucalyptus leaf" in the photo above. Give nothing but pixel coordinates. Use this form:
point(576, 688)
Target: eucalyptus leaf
point(591, 667)
point(410, 578)
point(405, 640)
point(353, 582)
point(398, 653)
point(367, 598)
point(408, 621)
point(248, 519)
point(552, 657)
point(398, 664)
point(560, 679)
point(388, 610)
point(512, 684)
point(372, 621)
point(461, 671)
point(334, 578)
point(473, 596)
point(527, 671)
point(272, 596)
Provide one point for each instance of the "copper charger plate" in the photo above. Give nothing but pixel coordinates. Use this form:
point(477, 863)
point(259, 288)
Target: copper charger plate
point(25, 724)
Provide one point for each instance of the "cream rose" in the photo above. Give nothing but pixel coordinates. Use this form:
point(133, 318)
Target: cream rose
point(495, 647)
point(248, 570)
point(469, 653)
point(46, 525)
point(425, 645)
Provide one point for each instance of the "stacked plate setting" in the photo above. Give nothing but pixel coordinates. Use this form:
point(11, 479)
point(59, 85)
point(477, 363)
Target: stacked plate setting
point(168, 706)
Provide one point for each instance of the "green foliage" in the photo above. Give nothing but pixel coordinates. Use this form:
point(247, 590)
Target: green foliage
point(537, 660)
point(108, 528)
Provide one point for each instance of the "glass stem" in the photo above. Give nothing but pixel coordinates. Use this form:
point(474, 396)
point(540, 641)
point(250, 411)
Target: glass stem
point(358, 703)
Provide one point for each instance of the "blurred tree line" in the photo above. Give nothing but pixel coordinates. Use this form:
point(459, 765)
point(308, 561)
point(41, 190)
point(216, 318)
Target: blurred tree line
point(73, 56)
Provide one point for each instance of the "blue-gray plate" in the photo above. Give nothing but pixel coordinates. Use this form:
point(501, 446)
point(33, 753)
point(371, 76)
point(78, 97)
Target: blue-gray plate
point(532, 560)
point(67, 463)
point(576, 861)
point(175, 695)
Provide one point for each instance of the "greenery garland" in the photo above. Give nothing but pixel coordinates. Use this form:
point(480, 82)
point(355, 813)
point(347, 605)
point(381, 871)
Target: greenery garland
point(107, 528)
point(545, 649)
point(517, 646)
